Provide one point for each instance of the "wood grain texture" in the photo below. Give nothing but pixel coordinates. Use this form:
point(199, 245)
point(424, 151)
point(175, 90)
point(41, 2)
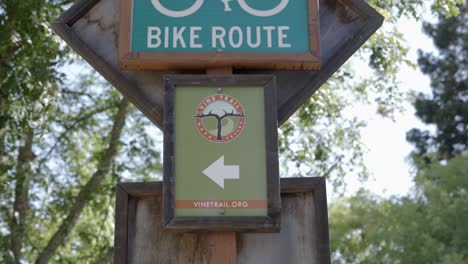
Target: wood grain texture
point(120, 234)
point(168, 164)
point(78, 10)
point(188, 60)
point(219, 70)
point(152, 245)
point(303, 238)
point(314, 29)
point(294, 244)
point(271, 138)
point(222, 247)
point(91, 27)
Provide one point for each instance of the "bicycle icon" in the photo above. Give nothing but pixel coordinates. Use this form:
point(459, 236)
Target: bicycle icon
point(198, 3)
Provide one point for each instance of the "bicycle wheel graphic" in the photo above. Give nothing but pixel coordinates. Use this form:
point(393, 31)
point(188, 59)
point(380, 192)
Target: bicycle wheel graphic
point(182, 13)
point(263, 13)
point(198, 3)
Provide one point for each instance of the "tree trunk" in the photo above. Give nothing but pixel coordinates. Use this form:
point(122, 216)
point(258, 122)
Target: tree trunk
point(218, 136)
point(87, 192)
point(20, 206)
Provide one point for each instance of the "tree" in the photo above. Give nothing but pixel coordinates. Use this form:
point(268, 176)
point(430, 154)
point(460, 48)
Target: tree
point(427, 228)
point(219, 118)
point(447, 107)
point(28, 60)
point(317, 140)
point(76, 165)
point(430, 225)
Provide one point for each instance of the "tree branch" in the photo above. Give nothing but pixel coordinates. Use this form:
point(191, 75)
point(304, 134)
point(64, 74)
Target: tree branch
point(20, 206)
point(79, 93)
point(67, 130)
point(87, 192)
point(207, 115)
point(10, 53)
point(230, 114)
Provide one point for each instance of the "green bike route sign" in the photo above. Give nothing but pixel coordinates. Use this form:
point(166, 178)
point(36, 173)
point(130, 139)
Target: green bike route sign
point(218, 158)
point(165, 34)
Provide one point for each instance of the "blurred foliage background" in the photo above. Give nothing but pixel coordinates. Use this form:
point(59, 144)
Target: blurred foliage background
point(67, 137)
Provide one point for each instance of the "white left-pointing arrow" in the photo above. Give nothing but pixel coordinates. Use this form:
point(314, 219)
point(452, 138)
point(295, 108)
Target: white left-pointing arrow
point(218, 172)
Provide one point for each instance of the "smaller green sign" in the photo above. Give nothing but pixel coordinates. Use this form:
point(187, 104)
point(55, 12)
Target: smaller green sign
point(220, 161)
point(220, 153)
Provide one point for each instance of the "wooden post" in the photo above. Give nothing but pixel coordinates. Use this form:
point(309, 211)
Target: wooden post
point(222, 246)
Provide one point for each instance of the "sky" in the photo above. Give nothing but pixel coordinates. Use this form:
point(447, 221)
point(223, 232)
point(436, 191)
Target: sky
point(385, 139)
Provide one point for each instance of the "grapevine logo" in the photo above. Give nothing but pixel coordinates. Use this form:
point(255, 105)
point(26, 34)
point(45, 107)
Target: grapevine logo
point(220, 118)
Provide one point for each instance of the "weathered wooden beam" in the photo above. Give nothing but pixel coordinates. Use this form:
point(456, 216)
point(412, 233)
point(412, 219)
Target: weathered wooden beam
point(140, 238)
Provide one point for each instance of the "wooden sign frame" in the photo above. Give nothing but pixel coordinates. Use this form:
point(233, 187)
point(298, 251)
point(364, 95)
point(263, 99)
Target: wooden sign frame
point(181, 248)
point(269, 223)
point(201, 60)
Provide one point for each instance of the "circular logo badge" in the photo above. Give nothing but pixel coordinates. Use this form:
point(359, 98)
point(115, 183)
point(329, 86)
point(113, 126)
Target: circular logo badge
point(220, 118)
